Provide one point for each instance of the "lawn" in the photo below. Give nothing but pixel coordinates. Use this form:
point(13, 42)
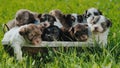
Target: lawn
point(108, 57)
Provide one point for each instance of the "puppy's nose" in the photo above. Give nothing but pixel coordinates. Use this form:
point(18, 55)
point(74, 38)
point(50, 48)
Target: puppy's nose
point(96, 28)
point(45, 24)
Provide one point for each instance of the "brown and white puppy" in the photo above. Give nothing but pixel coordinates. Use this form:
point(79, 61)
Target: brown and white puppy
point(61, 21)
point(79, 32)
point(99, 27)
point(46, 19)
point(92, 12)
point(21, 36)
point(23, 16)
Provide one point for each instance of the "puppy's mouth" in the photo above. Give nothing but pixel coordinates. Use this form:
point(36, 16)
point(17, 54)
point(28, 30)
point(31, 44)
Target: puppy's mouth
point(83, 38)
point(36, 42)
point(46, 24)
point(97, 32)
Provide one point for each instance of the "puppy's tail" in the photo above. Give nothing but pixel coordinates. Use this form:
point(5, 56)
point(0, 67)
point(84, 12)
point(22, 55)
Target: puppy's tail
point(5, 28)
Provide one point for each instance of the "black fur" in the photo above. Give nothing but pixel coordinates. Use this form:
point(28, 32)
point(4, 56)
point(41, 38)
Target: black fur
point(51, 33)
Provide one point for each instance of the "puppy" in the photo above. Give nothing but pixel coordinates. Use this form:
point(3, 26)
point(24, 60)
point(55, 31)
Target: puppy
point(79, 32)
point(20, 36)
point(92, 12)
point(74, 19)
point(23, 16)
point(51, 33)
point(46, 19)
point(99, 27)
point(61, 19)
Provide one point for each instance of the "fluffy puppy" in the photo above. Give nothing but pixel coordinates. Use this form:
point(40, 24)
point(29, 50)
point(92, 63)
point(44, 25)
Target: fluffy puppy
point(23, 16)
point(51, 33)
point(61, 21)
point(99, 27)
point(79, 32)
point(20, 36)
point(67, 20)
point(74, 19)
point(46, 19)
point(92, 12)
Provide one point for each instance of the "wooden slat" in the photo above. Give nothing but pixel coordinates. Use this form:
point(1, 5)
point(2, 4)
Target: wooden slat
point(63, 44)
point(58, 44)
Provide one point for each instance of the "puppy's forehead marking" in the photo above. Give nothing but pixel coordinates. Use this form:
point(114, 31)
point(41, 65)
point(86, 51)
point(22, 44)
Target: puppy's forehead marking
point(102, 19)
point(96, 18)
point(92, 10)
point(74, 15)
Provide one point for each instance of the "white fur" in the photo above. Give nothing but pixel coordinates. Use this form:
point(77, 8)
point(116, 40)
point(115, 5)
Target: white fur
point(91, 11)
point(100, 37)
point(57, 23)
point(76, 22)
point(15, 40)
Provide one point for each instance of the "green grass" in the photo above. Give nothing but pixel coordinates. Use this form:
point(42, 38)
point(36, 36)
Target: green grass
point(73, 58)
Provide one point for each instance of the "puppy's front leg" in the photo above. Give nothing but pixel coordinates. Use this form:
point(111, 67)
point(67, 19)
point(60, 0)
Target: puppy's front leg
point(17, 51)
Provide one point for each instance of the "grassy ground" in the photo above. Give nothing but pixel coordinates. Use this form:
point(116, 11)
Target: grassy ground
point(73, 58)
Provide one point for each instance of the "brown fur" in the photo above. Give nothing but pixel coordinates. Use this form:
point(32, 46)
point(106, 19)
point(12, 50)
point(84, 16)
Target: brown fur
point(32, 33)
point(60, 16)
point(22, 17)
point(79, 32)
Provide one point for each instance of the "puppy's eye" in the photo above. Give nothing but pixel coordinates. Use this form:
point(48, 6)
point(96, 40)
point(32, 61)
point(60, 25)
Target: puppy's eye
point(72, 17)
point(18, 18)
point(55, 31)
point(89, 15)
point(95, 13)
point(48, 30)
point(77, 33)
point(42, 19)
point(94, 22)
point(103, 24)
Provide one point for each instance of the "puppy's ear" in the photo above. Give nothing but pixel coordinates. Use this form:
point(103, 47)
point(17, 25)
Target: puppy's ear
point(67, 15)
point(39, 15)
point(31, 16)
point(100, 12)
point(86, 25)
point(22, 31)
point(41, 27)
point(80, 18)
point(109, 23)
point(64, 16)
point(85, 14)
point(72, 30)
point(54, 18)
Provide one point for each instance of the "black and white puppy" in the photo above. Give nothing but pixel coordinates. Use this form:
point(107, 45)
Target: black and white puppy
point(18, 37)
point(46, 19)
point(73, 19)
point(92, 12)
point(51, 33)
point(99, 27)
point(23, 17)
point(65, 21)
